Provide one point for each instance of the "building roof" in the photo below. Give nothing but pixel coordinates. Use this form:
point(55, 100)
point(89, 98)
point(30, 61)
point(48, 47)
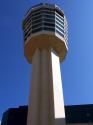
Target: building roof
point(74, 114)
point(79, 113)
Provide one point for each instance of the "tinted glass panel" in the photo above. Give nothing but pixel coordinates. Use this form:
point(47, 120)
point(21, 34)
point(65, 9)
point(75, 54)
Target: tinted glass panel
point(49, 24)
point(37, 30)
point(36, 14)
point(49, 9)
point(60, 17)
point(26, 22)
point(60, 29)
point(34, 22)
point(41, 11)
point(48, 12)
point(49, 20)
point(27, 26)
point(59, 33)
point(60, 20)
point(37, 10)
point(49, 29)
point(29, 22)
point(60, 24)
point(26, 33)
point(37, 17)
point(49, 16)
point(37, 25)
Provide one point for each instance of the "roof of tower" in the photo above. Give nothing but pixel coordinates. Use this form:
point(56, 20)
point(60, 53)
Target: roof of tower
point(52, 6)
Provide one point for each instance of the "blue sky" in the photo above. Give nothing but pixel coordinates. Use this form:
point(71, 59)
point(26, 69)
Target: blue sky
point(77, 69)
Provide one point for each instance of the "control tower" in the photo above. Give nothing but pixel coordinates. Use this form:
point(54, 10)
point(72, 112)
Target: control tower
point(45, 47)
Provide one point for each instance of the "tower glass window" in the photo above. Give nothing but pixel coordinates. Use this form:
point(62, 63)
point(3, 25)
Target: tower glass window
point(45, 18)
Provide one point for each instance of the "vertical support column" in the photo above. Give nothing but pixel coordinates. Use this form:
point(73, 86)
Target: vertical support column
point(34, 100)
point(46, 105)
point(59, 111)
point(44, 113)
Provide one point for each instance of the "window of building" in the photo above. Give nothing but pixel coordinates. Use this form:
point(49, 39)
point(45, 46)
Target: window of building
point(36, 25)
point(49, 29)
point(49, 16)
point(57, 19)
point(48, 12)
point(49, 24)
point(60, 29)
point(48, 20)
point(37, 30)
point(61, 34)
point(37, 10)
point(36, 17)
point(61, 25)
point(36, 21)
point(59, 16)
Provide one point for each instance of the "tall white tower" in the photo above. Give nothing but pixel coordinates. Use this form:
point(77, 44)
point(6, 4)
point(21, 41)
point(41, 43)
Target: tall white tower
point(45, 41)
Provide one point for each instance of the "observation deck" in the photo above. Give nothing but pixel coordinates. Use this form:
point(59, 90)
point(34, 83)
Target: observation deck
point(45, 26)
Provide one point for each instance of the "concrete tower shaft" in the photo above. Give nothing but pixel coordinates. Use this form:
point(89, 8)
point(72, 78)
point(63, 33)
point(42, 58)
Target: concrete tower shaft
point(46, 105)
point(45, 36)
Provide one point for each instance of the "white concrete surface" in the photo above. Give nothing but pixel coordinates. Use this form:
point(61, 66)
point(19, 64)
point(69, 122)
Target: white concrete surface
point(46, 104)
point(57, 87)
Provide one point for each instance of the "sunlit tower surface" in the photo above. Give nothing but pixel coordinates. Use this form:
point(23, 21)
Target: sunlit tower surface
point(45, 47)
